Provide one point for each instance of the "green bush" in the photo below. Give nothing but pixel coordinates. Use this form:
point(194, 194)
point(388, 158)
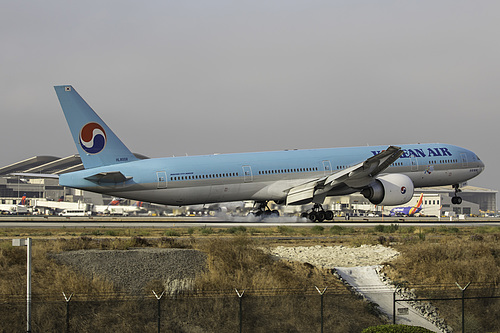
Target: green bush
point(388, 229)
point(395, 329)
point(172, 233)
point(237, 230)
point(337, 230)
point(283, 229)
point(317, 229)
point(206, 231)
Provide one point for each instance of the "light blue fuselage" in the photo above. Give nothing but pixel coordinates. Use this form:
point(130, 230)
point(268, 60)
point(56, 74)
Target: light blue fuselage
point(266, 176)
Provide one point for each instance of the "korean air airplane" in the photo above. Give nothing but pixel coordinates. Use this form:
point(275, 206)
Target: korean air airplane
point(409, 210)
point(384, 175)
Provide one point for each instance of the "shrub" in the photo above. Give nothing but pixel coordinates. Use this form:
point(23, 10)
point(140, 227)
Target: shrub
point(337, 230)
point(393, 228)
point(237, 230)
point(140, 242)
point(172, 233)
point(451, 230)
point(282, 229)
point(382, 240)
point(395, 329)
point(317, 229)
point(113, 233)
point(206, 231)
point(477, 238)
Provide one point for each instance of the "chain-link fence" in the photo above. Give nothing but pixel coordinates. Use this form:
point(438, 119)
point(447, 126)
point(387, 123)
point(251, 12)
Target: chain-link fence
point(468, 308)
point(238, 311)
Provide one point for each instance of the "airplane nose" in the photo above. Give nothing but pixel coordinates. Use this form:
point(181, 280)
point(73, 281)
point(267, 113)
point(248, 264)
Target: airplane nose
point(480, 164)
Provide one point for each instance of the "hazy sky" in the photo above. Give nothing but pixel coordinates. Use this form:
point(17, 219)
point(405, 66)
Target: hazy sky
point(200, 77)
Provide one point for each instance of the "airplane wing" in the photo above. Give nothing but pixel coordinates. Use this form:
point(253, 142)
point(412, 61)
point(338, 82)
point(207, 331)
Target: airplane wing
point(356, 176)
point(108, 177)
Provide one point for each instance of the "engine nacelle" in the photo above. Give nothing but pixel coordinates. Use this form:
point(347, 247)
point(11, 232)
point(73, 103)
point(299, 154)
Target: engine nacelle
point(390, 190)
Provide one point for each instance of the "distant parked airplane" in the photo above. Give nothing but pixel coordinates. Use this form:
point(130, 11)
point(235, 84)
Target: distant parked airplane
point(114, 208)
point(409, 210)
point(384, 175)
point(19, 208)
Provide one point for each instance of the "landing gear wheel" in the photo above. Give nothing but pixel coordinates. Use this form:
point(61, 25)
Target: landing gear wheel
point(456, 200)
point(329, 215)
point(264, 211)
point(320, 216)
point(312, 216)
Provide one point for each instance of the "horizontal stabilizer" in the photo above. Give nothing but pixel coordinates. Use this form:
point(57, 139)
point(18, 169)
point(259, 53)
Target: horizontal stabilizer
point(35, 175)
point(108, 177)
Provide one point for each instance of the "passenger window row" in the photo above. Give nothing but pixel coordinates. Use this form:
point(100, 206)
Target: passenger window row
point(209, 176)
point(279, 171)
point(443, 161)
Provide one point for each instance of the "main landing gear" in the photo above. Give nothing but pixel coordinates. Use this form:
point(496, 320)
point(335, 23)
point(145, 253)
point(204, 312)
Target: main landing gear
point(318, 214)
point(456, 200)
point(264, 211)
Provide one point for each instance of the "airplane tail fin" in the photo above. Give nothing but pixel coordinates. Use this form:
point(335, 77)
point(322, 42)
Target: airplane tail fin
point(416, 208)
point(95, 141)
point(115, 202)
point(419, 203)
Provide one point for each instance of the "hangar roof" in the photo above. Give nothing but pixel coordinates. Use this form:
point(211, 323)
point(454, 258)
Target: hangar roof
point(449, 189)
point(47, 165)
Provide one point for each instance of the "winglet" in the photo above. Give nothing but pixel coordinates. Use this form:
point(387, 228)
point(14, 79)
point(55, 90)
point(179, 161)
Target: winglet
point(95, 141)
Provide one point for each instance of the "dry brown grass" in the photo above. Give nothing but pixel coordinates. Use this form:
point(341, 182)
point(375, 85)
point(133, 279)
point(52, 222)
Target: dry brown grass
point(433, 267)
point(450, 259)
point(430, 256)
point(48, 278)
point(235, 262)
point(238, 263)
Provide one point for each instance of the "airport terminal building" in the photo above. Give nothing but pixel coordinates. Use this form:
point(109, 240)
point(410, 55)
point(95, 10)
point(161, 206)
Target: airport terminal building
point(36, 178)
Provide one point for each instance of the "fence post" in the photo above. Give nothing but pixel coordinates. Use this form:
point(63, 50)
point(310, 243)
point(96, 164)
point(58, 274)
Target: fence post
point(26, 242)
point(321, 293)
point(158, 298)
point(463, 304)
point(67, 299)
point(394, 307)
point(241, 308)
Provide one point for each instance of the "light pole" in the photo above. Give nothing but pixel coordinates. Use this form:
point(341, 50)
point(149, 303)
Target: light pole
point(26, 242)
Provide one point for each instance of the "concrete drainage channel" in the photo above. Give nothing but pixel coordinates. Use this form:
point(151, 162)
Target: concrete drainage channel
point(366, 282)
point(359, 268)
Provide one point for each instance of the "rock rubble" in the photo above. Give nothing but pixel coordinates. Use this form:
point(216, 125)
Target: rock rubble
point(336, 256)
point(133, 269)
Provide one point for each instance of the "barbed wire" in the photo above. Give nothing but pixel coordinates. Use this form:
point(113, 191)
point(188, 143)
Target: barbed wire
point(445, 288)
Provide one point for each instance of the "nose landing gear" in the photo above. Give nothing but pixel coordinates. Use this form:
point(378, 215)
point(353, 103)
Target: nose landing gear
point(456, 200)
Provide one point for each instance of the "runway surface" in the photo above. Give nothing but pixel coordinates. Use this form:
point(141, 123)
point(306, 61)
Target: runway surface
point(226, 222)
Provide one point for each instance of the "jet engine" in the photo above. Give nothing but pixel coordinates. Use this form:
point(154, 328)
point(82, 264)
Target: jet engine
point(390, 190)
